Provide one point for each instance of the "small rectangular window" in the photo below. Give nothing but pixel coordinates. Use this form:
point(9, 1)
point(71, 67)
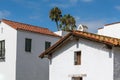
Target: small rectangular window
point(1, 30)
point(47, 44)
point(28, 43)
point(77, 78)
point(77, 58)
point(2, 50)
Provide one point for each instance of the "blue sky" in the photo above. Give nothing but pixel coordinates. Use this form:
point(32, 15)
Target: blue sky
point(93, 13)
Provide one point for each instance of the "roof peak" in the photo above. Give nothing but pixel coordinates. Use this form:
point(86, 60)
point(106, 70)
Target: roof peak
point(110, 41)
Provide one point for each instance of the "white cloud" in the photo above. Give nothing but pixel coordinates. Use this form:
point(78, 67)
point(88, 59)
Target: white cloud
point(4, 14)
point(117, 7)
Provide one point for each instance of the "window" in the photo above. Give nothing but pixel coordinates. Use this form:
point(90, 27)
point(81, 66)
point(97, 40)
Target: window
point(77, 58)
point(1, 29)
point(2, 50)
point(77, 78)
point(47, 44)
point(28, 45)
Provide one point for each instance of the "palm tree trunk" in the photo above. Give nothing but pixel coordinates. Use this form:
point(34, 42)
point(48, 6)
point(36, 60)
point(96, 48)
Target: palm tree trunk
point(57, 25)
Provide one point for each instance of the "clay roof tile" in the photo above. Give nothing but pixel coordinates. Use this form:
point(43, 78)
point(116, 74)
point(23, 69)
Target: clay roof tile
point(28, 27)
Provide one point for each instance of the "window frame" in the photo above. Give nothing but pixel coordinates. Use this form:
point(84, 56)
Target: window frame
point(28, 44)
point(2, 50)
point(77, 58)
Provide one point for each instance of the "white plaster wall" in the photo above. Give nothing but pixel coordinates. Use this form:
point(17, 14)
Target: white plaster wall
point(117, 63)
point(111, 30)
point(7, 68)
point(29, 65)
point(61, 33)
point(97, 61)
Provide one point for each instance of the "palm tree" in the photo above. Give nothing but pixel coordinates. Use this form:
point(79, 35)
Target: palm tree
point(55, 15)
point(68, 23)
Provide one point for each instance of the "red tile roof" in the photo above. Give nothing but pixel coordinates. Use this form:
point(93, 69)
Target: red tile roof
point(28, 27)
point(85, 35)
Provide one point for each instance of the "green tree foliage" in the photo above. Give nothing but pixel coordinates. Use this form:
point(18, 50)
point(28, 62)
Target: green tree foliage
point(55, 15)
point(65, 23)
point(68, 23)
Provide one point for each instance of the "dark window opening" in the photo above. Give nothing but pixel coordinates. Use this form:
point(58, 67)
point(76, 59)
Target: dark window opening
point(2, 50)
point(77, 78)
point(28, 45)
point(47, 44)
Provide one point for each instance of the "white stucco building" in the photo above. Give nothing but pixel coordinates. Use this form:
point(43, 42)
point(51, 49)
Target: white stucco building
point(112, 29)
point(85, 56)
point(20, 45)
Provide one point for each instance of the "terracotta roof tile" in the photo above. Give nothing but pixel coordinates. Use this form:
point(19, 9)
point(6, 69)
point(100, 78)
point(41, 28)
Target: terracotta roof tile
point(98, 38)
point(28, 27)
point(85, 35)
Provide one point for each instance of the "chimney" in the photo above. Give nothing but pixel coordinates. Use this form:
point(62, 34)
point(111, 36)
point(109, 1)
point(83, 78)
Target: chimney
point(83, 28)
point(61, 33)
